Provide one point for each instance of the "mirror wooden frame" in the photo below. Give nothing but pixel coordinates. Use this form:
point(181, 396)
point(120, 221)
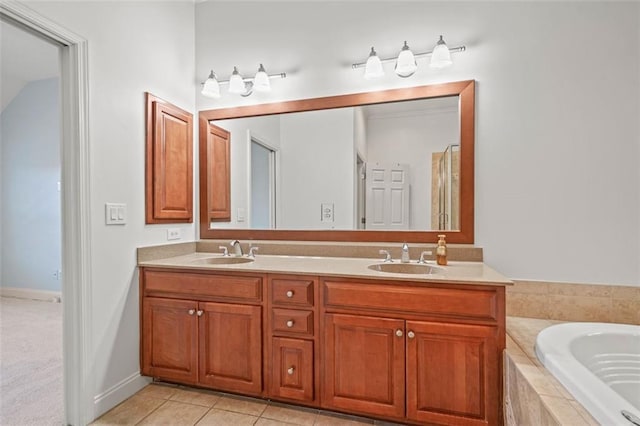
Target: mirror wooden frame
point(465, 235)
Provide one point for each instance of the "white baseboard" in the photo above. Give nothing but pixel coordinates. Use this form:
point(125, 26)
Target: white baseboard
point(118, 393)
point(31, 293)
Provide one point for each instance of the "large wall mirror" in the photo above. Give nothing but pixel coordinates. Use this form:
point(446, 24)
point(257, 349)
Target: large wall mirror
point(394, 165)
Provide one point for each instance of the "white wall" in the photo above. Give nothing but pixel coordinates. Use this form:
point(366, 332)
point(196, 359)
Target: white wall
point(557, 139)
point(30, 127)
point(133, 48)
point(414, 138)
point(317, 166)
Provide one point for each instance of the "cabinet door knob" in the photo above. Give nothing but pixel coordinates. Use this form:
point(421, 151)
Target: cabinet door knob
point(290, 371)
point(411, 334)
point(290, 323)
point(290, 293)
point(200, 312)
point(192, 311)
point(399, 333)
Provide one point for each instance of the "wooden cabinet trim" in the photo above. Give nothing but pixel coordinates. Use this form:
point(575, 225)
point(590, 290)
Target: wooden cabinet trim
point(301, 288)
point(444, 302)
point(203, 286)
point(297, 384)
point(292, 322)
point(235, 365)
point(177, 327)
point(467, 361)
point(348, 383)
point(168, 162)
point(215, 174)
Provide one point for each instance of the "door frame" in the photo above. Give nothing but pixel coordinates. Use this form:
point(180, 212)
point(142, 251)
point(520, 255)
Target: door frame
point(274, 160)
point(75, 203)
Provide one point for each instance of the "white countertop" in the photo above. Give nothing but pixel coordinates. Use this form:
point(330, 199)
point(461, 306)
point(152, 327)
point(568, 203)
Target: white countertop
point(454, 272)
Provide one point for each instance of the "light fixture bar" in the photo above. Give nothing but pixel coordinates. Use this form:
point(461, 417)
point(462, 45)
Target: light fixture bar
point(416, 55)
point(250, 79)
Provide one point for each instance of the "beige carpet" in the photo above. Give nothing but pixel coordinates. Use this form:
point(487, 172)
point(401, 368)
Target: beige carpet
point(30, 363)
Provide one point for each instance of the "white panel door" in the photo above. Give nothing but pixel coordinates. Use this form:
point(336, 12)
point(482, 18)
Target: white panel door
point(387, 201)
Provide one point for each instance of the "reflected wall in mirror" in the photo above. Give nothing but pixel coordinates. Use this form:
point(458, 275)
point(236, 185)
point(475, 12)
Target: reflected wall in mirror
point(393, 165)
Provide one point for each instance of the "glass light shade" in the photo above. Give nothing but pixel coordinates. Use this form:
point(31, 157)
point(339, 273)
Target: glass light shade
point(261, 81)
point(236, 83)
point(441, 57)
point(373, 68)
point(211, 88)
point(406, 63)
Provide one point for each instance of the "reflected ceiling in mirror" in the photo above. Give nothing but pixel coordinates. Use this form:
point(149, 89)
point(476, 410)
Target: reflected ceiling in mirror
point(394, 165)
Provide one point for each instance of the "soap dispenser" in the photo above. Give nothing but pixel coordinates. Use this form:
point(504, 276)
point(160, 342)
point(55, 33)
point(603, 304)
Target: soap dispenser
point(441, 250)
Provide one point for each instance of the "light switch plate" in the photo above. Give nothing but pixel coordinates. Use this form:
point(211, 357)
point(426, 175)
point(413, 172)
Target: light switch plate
point(115, 213)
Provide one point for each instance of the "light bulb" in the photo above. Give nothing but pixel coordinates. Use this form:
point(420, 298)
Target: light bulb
point(406, 62)
point(440, 57)
point(236, 82)
point(261, 81)
point(211, 88)
point(373, 68)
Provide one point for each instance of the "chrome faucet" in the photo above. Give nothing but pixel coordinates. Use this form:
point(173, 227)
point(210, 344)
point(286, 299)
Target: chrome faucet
point(237, 248)
point(387, 255)
point(422, 260)
point(252, 252)
point(405, 253)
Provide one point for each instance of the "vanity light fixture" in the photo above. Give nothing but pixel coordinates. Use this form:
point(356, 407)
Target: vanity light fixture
point(406, 64)
point(238, 84)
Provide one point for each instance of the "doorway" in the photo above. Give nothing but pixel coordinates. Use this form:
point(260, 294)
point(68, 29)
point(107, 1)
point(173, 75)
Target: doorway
point(262, 184)
point(30, 225)
point(75, 207)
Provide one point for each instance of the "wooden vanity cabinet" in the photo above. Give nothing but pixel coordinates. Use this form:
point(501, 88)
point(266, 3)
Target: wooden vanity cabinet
point(203, 329)
point(410, 352)
point(413, 352)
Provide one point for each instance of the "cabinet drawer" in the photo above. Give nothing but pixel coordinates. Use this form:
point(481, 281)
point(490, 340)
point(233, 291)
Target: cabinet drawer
point(292, 321)
point(184, 284)
point(292, 365)
point(292, 291)
point(475, 304)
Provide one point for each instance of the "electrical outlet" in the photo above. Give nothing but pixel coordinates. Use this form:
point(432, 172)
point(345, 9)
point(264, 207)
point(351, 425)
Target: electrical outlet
point(326, 212)
point(57, 275)
point(174, 234)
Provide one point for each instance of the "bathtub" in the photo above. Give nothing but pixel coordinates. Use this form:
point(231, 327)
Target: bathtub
point(598, 363)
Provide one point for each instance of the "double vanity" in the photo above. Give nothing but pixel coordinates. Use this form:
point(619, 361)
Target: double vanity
point(418, 345)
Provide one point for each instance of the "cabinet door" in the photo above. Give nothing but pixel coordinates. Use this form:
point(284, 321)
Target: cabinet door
point(452, 374)
point(231, 347)
point(215, 174)
point(169, 163)
point(170, 339)
point(292, 369)
point(364, 364)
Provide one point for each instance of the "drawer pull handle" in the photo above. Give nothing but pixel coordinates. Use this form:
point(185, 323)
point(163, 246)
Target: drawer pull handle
point(290, 323)
point(399, 333)
point(200, 313)
point(290, 294)
point(411, 334)
point(192, 311)
point(290, 371)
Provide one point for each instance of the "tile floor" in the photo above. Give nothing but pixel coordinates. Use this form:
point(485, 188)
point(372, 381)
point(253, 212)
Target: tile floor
point(165, 404)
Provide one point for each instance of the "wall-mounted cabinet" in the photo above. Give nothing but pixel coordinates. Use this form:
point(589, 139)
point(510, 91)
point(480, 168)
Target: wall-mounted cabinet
point(215, 174)
point(169, 163)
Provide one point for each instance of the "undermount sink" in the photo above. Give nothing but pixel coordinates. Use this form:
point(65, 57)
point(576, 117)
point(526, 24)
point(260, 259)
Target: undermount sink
point(405, 268)
point(222, 260)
